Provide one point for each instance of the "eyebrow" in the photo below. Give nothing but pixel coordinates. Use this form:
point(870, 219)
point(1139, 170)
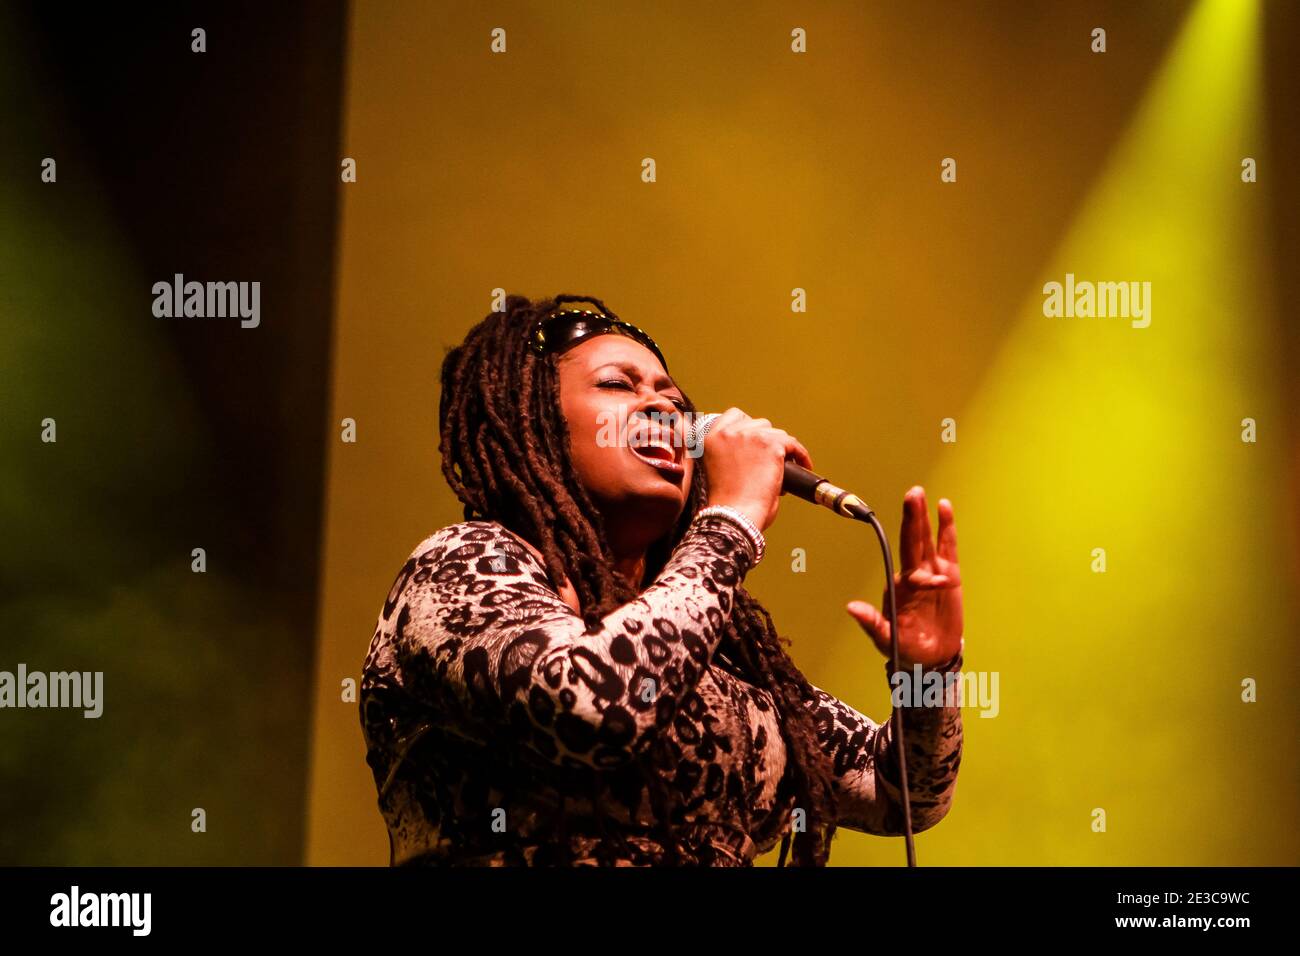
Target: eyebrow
point(634, 372)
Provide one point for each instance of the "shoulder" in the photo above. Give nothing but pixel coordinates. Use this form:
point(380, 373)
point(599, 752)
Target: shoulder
point(469, 539)
point(488, 548)
point(461, 553)
point(478, 530)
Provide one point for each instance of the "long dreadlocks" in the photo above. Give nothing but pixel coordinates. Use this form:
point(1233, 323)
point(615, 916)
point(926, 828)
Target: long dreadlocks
point(504, 446)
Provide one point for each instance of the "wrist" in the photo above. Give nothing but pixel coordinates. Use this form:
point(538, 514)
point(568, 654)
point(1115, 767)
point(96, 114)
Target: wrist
point(754, 512)
point(743, 522)
point(948, 665)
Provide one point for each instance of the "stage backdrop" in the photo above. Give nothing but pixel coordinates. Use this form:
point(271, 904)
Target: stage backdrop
point(855, 215)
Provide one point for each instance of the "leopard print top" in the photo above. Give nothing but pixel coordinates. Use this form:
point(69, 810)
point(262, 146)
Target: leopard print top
point(494, 723)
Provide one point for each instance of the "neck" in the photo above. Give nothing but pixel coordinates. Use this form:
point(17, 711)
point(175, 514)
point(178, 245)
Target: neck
point(629, 541)
point(631, 533)
point(632, 568)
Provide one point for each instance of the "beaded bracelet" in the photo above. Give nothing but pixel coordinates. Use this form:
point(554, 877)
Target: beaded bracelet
point(742, 520)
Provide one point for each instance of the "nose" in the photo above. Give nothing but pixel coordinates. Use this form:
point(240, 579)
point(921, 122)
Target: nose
point(659, 408)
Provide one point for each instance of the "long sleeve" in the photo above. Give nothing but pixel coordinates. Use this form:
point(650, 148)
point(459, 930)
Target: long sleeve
point(865, 759)
point(481, 631)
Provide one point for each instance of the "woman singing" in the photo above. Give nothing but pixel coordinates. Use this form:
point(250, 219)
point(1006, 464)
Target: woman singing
point(575, 675)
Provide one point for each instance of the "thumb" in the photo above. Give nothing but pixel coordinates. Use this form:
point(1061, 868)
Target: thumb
point(873, 622)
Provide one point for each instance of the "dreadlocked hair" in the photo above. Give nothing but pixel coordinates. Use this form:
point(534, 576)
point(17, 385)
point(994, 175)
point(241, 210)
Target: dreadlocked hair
point(504, 445)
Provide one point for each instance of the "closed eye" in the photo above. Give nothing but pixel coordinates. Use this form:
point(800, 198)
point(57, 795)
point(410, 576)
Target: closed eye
point(620, 383)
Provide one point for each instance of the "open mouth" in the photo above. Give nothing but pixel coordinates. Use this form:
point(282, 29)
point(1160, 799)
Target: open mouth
point(657, 452)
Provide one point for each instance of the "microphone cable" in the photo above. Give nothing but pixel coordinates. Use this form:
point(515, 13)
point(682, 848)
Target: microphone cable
point(861, 512)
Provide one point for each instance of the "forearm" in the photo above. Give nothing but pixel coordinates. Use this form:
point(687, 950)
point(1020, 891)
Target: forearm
point(503, 637)
point(864, 759)
point(933, 736)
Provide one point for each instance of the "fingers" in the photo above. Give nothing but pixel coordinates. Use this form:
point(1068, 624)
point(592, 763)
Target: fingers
point(947, 531)
point(911, 545)
point(801, 454)
point(875, 624)
point(922, 578)
point(927, 536)
point(916, 539)
point(791, 447)
point(727, 418)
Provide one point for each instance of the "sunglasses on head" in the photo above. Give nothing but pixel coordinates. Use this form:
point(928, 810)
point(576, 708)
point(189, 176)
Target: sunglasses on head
point(561, 331)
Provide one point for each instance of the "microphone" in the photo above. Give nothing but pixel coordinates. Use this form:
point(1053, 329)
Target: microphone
point(798, 481)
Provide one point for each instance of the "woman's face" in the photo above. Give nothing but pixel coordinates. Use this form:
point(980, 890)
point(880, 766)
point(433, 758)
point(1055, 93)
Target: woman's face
point(627, 435)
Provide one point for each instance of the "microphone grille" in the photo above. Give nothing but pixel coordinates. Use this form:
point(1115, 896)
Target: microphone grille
point(699, 427)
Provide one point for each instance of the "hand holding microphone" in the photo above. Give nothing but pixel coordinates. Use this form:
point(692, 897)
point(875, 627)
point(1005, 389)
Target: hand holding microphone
point(763, 465)
point(745, 460)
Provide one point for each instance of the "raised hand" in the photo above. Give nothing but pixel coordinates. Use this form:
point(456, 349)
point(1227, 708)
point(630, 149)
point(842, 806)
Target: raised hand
point(927, 587)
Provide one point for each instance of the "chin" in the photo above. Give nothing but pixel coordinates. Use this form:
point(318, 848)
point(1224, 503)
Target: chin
point(663, 498)
point(654, 496)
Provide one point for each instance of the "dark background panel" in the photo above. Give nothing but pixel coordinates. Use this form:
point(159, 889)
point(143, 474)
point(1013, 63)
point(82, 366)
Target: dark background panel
point(172, 433)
